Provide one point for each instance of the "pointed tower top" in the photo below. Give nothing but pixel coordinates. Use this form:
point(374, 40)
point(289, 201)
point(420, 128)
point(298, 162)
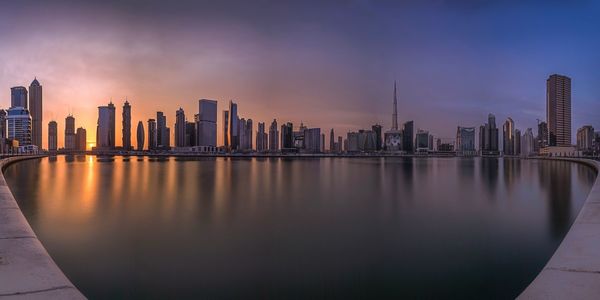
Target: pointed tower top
point(395, 113)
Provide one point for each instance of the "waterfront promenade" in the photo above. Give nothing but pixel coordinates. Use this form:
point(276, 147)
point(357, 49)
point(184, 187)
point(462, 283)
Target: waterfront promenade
point(26, 269)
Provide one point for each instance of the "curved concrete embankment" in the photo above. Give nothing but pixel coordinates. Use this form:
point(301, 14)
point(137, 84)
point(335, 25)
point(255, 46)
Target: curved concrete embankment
point(573, 272)
point(26, 269)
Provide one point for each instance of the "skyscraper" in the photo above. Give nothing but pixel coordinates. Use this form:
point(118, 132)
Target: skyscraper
point(262, 144)
point(163, 133)
point(207, 123)
point(18, 97)
point(140, 136)
point(81, 139)
point(331, 141)
point(126, 126)
point(19, 125)
point(517, 142)
point(234, 127)
point(287, 137)
point(105, 131)
point(542, 135)
point(35, 108)
point(70, 133)
point(527, 143)
point(52, 136)
point(273, 137)
point(377, 130)
point(508, 134)
point(226, 130)
point(585, 138)
point(152, 138)
point(312, 140)
point(558, 110)
point(465, 140)
point(488, 137)
point(180, 128)
point(408, 137)
point(393, 137)
point(191, 135)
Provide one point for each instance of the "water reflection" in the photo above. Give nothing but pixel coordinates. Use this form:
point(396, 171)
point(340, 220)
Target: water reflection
point(299, 228)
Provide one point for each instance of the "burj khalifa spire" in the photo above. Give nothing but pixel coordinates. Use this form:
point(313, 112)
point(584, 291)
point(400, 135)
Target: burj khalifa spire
point(395, 114)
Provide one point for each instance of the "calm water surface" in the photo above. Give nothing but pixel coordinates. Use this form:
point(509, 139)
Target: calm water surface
point(301, 228)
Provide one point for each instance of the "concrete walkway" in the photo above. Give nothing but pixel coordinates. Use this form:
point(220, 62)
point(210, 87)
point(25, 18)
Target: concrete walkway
point(573, 272)
point(26, 269)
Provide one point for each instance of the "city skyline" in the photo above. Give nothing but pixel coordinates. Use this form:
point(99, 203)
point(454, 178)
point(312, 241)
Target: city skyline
point(314, 82)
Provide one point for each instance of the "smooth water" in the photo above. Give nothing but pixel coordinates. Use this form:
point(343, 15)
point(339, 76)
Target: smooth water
point(370, 228)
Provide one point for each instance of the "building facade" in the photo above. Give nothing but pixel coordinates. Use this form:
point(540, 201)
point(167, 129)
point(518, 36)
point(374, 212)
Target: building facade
point(35, 109)
point(152, 138)
point(273, 137)
point(508, 137)
point(126, 128)
point(52, 136)
point(465, 140)
point(105, 131)
point(81, 139)
point(207, 123)
point(18, 97)
point(19, 125)
point(558, 110)
point(585, 138)
point(70, 143)
point(180, 128)
point(140, 136)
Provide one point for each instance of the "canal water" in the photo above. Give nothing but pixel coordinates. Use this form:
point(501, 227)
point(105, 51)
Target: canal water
point(275, 228)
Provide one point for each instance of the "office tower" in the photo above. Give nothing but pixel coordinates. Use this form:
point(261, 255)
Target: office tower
point(180, 128)
point(19, 125)
point(163, 133)
point(261, 138)
point(152, 138)
point(35, 109)
point(81, 139)
point(140, 136)
point(393, 137)
point(331, 141)
point(126, 138)
point(249, 128)
point(542, 135)
point(408, 137)
point(18, 97)
point(190, 132)
point(340, 144)
point(431, 142)
point(52, 136)
point(527, 143)
point(488, 137)
point(234, 127)
point(3, 132)
point(207, 123)
point(352, 142)
point(105, 131)
point(70, 133)
point(361, 141)
point(242, 133)
point(312, 140)
point(585, 138)
point(508, 133)
point(273, 137)
point(226, 130)
point(377, 130)
point(287, 137)
point(422, 141)
point(517, 142)
point(322, 142)
point(558, 110)
point(465, 140)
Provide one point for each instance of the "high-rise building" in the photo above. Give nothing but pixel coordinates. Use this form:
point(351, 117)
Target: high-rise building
point(408, 137)
point(226, 130)
point(273, 137)
point(105, 131)
point(18, 97)
point(207, 123)
point(517, 142)
point(70, 143)
point(377, 130)
point(81, 139)
point(465, 140)
point(340, 144)
point(52, 136)
point(126, 138)
point(163, 133)
point(312, 140)
point(488, 137)
point(140, 136)
point(248, 128)
point(19, 125)
point(180, 128)
point(527, 143)
point(234, 127)
point(262, 144)
point(331, 141)
point(3, 130)
point(152, 138)
point(542, 136)
point(190, 132)
point(287, 137)
point(585, 138)
point(422, 141)
point(508, 134)
point(35, 108)
point(558, 110)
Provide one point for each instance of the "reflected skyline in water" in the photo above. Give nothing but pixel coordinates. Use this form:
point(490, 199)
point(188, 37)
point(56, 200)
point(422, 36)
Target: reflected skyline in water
point(307, 228)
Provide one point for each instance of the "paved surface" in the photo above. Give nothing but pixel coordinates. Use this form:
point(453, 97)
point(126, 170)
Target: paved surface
point(573, 272)
point(26, 269)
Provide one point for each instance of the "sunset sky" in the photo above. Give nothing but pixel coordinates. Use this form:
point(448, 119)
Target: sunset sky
point(330, 64)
